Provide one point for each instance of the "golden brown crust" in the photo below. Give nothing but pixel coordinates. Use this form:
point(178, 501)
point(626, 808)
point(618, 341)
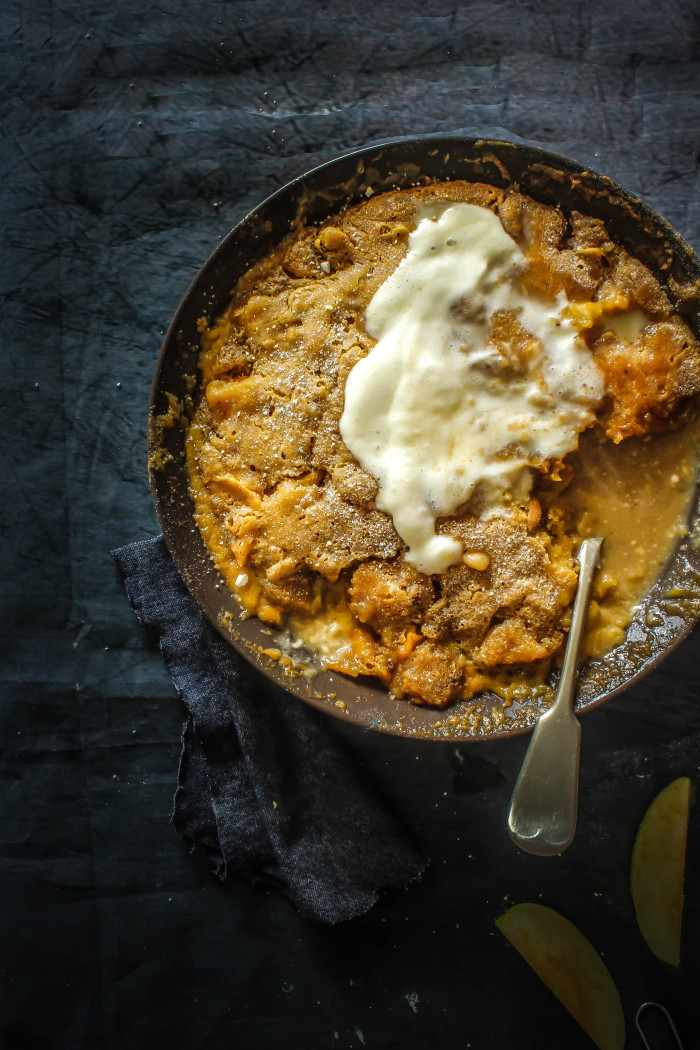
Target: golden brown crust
point(651, 382)
point(431, 675)
point(279, 495)
point(522, 584)
point(387, 594)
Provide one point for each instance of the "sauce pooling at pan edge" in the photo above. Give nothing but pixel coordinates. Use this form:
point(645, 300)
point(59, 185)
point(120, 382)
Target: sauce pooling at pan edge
point(549, 392)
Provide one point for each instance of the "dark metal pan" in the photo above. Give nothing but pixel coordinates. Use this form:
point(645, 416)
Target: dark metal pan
point(673, 606)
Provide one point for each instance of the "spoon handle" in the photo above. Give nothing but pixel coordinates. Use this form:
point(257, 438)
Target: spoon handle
point(542, 815)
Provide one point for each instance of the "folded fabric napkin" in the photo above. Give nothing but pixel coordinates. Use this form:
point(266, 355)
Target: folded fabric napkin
point(264, 785)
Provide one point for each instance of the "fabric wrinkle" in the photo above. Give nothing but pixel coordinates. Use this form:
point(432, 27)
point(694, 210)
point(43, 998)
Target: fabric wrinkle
point(264, 788)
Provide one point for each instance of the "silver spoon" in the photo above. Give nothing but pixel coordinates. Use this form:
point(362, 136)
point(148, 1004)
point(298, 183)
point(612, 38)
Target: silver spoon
point(542, 815)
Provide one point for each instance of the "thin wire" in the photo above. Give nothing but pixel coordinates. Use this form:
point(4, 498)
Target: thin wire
point(666, 1014)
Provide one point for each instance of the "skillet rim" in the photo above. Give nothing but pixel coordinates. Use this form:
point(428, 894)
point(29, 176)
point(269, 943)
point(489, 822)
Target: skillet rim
point(370, 709)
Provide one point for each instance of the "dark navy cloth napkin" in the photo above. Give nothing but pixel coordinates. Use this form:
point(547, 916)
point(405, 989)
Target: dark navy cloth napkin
point(264, 785)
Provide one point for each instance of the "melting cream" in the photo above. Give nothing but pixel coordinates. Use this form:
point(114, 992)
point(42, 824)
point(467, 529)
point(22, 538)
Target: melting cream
point(437, 412)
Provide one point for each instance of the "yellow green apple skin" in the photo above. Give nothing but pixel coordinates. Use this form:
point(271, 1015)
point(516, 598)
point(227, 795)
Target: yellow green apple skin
point(572, 969)
point(657, 871)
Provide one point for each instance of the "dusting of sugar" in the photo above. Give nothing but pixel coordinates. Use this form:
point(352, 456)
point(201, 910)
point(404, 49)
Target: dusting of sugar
point(437, 412)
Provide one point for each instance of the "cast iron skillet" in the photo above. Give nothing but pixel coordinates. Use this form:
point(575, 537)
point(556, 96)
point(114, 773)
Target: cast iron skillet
point(669, 611)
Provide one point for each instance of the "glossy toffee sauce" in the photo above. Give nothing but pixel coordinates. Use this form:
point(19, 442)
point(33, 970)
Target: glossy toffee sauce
point(637, 496)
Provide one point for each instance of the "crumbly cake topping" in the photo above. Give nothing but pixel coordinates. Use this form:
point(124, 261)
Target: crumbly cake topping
point(284, 505)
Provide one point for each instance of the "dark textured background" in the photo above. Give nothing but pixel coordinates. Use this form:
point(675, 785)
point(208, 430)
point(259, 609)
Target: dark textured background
point(132, 139)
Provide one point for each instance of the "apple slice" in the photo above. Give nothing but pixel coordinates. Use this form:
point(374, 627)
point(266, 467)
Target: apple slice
point(658, 863)
point(570, 967)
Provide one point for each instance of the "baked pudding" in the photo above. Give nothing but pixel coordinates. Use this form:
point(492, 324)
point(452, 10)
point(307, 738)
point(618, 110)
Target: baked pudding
point(412, 415)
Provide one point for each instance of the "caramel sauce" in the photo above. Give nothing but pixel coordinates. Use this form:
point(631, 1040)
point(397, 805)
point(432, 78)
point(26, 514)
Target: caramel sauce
point(637, 496)
point(292, 519)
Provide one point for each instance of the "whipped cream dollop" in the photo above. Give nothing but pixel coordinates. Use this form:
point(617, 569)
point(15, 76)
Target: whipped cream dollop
point(446, 408)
